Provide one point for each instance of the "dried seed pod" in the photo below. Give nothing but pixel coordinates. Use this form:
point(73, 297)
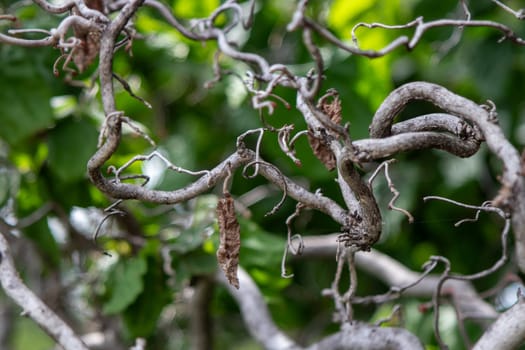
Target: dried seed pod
point(321, 150)
point(229, 239)
point(319, 146)
point(331, 108)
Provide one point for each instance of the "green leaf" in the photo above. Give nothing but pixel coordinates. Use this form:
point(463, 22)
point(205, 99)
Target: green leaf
point(125, 284)
point(199, 263)
point(23, 113)
point(26, 92)
point(141, 317)
point(260, 248)
point(71, 144)
point(40, 234)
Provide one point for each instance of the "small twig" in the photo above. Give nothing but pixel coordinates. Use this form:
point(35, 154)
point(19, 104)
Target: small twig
point(28, 30)
point(240, 144)
point(392, 188)
point(8, 17)
point(447, 275)
point(396, 291)
point(286, 145)
point(457, 33)
point(475, 218)
point(504, 238)
point(139, 131)
point(111, 211)
point(520, 14)
point(127, 87)
point(299, 250)
point(157, 154)
point(396, 312)
point(227, 180)
point(436, 296)
point(461, 325)
point(259, 96)
point(35, 216)
point(334, 290)
point(280, 174)
point(284, 274)
point(317, 77)
point(289, 240)
point(352, 288)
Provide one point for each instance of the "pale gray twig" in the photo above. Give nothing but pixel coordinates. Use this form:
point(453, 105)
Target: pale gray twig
point(519, 14)
point(392, 188)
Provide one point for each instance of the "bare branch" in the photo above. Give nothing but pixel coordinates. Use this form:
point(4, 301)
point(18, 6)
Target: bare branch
point(438, 122)
point(255, 313)
point(421, 27)
point(484, 118)
point(56, 9)
point(507, 333)
point(399, 278)
point(519, 14)
point(361, 336)
point(30, 303)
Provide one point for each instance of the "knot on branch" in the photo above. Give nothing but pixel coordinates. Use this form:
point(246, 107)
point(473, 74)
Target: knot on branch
point(353, 235)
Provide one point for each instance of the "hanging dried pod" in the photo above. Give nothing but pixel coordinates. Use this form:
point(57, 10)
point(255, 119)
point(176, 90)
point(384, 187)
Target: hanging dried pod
point(332, 108)
point(229, 239)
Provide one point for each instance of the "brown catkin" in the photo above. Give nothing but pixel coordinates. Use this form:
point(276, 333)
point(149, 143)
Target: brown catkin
point(229, 239)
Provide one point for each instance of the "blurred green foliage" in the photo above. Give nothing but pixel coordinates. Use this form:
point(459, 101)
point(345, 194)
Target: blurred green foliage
point(49, 131)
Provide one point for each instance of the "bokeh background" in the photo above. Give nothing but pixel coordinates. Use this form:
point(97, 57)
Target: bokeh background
point(49, 129)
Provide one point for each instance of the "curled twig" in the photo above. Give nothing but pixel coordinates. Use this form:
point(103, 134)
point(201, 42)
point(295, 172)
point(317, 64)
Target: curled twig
point(519, 14)
point(396, 291)
point(240, 144)
point(396, 312)
point(476, 217)
point(343, 303)
point(289, 240)
point(280, 174)
point(487, 207)
point(127, 87)
point(284, 274)
point(154, 154)
point(110, 211)
point(299, 250)
point(392, 188)
point(287, 145)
